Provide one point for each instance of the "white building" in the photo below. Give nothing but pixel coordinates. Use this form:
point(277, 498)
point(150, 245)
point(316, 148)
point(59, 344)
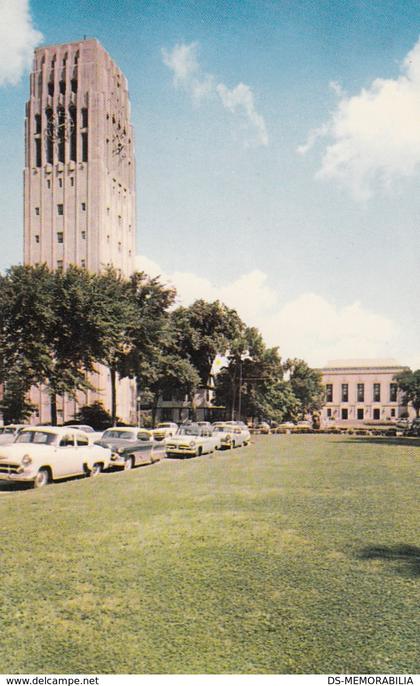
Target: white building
point(360, 391)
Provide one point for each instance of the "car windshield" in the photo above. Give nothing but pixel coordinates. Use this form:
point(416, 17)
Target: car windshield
point(9, 430)
point(114, 433)
point(220, 429)
point(81, 427)
point(164, 426)
point(40, 437)
point(189, 431)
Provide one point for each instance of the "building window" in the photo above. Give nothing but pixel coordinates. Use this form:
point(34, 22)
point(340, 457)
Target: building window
point(37, 123)
point(376, 392)
point(360, 392)
point(376, 413)
point(329, 412)
point(83, 264)
point(84, 206)
point(71, 180)
point(61, 133)
point(393, 412)
point(60, 237)
point(60, 208)
point(360, 413)
point(38, 152)
point(60, 183)
point(37, 211)
point(74, 85)
point(344, 413)
point(83, 235)
point(36, 238)
point(48, 183)
point(329, 392)
point(73, 135)
point(344, 393)
point(59, 264)
point(84, 118)
point(84, 147)
point(393, 389)
point(62, 87)
point(51, 88)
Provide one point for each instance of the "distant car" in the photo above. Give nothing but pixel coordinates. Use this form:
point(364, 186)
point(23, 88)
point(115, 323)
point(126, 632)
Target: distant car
point(9, 432)
point(231, 436)
point(414, 428)
point(403, 424)
point(41, 454)
point(191, 440)
point(130, 446)
point(164, 430)
point(263, 428)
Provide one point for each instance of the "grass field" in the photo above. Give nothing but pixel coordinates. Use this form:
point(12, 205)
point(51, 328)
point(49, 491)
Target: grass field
point(294, 555)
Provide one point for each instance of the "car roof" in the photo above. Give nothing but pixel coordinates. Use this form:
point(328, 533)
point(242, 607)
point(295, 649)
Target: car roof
point(52, 429)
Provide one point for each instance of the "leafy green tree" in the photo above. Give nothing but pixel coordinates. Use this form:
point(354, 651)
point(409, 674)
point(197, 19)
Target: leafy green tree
point(306, 385)
point(14, 404)
point(409, 383)
point(252, 384)
point(202, 331)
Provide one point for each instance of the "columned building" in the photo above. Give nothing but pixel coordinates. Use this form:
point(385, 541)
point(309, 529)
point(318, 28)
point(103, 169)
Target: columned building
point(362, 391)
point(79, 178)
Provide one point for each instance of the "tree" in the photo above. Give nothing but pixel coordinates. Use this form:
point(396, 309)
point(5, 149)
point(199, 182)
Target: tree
point(409, 383)
point(202, 331)
point(252, 384)
point(306, 385)
point(94, 415)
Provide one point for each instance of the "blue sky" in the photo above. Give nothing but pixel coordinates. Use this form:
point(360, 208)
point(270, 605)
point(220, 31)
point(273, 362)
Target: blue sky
point(278, 153)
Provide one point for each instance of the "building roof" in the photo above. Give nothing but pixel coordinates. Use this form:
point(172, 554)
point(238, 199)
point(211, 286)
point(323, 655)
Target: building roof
point(363, 363)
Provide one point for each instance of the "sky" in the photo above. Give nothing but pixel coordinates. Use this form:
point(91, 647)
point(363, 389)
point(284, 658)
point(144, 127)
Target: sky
point(278, 157)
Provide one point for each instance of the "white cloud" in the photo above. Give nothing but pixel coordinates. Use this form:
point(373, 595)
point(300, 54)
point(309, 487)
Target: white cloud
point(188, 75)
point(241, 98)
point(18, 38)
point(309, 326)
point(374, 137)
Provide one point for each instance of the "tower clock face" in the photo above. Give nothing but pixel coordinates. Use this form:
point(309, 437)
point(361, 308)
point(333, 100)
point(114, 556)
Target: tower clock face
point(59, 127)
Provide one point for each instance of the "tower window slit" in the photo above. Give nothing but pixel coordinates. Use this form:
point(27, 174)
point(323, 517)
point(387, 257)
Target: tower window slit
point(84, 147)
point(38, 152)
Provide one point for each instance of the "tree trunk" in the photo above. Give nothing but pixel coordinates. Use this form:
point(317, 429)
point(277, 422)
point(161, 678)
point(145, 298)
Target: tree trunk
point(53, 408)
point(193, 407)
point(154, 409)
point(113, 395)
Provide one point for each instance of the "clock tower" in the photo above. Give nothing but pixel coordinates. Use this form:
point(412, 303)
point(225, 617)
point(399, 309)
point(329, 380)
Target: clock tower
point(80, 168)
point(79, 180)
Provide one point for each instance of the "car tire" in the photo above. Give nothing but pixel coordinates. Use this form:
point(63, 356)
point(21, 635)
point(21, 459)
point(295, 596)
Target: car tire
point(42, 478)
point(96, 469)
point(129, 463)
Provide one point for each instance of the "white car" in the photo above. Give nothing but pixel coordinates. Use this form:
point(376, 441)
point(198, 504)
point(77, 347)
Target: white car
point(231, 435)
point(164, 430)
point(191, 440)
point(41, 454)
point(93, 435)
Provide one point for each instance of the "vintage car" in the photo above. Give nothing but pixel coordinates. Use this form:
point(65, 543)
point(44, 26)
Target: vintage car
point(230, 435)
point(191, 440)
point(164, 430)
point(41, 454)
point(130, 446)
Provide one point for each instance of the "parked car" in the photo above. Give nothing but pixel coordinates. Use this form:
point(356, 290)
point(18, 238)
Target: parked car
point(191, 440)
point(41, 454)
point(231, 436)
point(130, 446)
point(414, 428)
point(9, 432)
point(164, 430)
point(95, 435)
point(263, 428)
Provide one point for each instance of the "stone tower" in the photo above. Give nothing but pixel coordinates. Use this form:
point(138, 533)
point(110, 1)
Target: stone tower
point(79, 178)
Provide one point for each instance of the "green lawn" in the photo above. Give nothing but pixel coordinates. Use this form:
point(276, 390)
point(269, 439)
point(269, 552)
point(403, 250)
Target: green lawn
point(294, 555)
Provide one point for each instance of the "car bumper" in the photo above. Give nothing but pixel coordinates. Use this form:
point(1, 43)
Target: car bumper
point(15, 473)
point(170, 452)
